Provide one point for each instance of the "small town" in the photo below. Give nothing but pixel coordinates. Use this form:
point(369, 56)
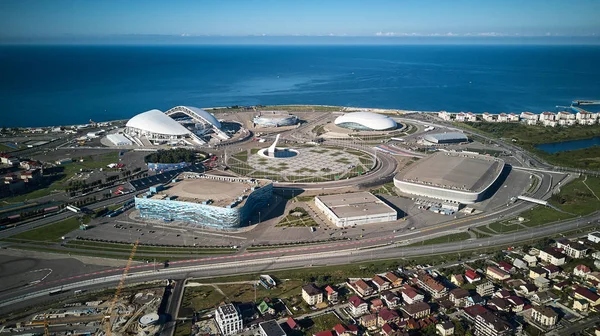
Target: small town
point(529, 290)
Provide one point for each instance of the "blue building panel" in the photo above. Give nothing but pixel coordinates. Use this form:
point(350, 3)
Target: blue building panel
point(205, 214)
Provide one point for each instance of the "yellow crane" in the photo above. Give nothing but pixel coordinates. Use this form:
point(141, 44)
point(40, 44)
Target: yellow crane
point(108, 319)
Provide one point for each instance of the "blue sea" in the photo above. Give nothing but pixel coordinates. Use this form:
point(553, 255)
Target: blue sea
point(55, 85)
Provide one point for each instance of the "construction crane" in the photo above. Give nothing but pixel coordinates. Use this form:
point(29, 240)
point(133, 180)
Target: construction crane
point(108, 319)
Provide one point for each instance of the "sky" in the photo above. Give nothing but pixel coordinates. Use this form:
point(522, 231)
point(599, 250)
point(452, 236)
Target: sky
point(40, 19)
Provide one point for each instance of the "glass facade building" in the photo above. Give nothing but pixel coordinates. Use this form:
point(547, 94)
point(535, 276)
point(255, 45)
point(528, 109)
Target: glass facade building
point(229, 217)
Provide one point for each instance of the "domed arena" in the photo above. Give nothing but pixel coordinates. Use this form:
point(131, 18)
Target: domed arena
point(366, 121)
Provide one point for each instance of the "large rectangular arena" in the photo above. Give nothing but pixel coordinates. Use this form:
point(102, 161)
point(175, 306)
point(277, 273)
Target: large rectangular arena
point(355, 209)
point(449, 176)
point(208, 200)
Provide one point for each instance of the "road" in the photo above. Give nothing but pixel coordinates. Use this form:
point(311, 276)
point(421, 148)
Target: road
point(341, 253)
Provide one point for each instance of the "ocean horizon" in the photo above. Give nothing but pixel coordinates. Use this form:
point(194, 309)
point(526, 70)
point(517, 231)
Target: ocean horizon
point(71, 84)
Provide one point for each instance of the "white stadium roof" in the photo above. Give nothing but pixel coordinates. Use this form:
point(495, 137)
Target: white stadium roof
point(155, 121)
point(197, 113)
point(369, 120)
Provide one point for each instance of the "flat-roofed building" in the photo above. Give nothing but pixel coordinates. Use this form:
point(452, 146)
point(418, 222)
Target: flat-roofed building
point(446, 138)
point(206, 200)
point(271, 328)
point(228, 319)
point(311, 294)
point(355, 209)
point(454, 177)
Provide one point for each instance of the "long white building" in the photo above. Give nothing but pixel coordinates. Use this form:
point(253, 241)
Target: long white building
point(355, 209)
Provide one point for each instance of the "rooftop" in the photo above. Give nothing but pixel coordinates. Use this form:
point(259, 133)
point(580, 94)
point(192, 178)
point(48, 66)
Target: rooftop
point(272, 328)
point(456, 171)
point(198, 188)
point(355, 204)
point(311, 290)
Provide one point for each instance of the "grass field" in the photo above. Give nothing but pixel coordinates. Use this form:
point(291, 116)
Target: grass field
point(444, 239)
point(291, 221)
point(505, 227)
point(52, 232)
point(320, 323)
point(484, 228)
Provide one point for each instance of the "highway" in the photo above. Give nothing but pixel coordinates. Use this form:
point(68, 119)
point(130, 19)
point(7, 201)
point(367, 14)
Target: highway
point(337, 253)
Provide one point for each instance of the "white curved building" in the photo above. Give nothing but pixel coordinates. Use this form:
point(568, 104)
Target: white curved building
point(455, 177)
point(181, 124)
point(366, 121)
point(275, 120)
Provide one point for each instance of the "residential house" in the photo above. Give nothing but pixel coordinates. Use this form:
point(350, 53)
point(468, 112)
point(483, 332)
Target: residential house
point(565, 115)
point(381, 283)
point(520, 263)
point(529, 118)
point(541, 282)
point(547, 116)
point(517, 304)
point(292, 324)
point(553, 256)
point(503, 117)
point(311, 294)
point(584, 115)
point(488, 117)
point(332, 294)
point(560, 286)
point(572, 249)
point(495, 273)
point(445, 328)
point(435, 288)
point(536, 272)
point(472, 117)
point(485, 289)
point(390, 330)
point(594, 237)
point(551, 271)
point(353, 329)
point(363, 288)
point(471, 312)
point(512, 117)
point(472, 276)
point(581, 305)
point(369, 321)
point(444, 115)
point(543, 297)
point(462, 117)
point(341, 330)
point(489, 324)
point(228, 319)
point(357, 306)
point(391, 299)
point(394, 279)
point(531, 260)
point(410, 295)
point(417, 310)
point(528, 289)
point(544, 316)
point(586, 294)
point(376, 305)
point(503, 294)
point(457, 279)
point(271, 328)
point(474, 299)
point(506, 267)
point(387, 315)
point(499, 304)
point(459, 297)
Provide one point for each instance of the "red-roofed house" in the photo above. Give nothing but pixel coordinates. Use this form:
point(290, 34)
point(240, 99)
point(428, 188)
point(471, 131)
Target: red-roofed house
point(353, 329)
point(376, 305)
point(506, 267)
point(586, 294)
point(332, 294)
point(410, 295)
point(496, 273)
point(369, 321)
point(357, 306)
point(363, 288)
point(435, 288)
point(389, 329)
point(472, 311)
point(516, 303)
point(457, 279)
point(381, 283)
point(581, 271)
point(387, 315)
point(394, 279)
point(292, 323)
point(472, 276)
point(340, 329)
